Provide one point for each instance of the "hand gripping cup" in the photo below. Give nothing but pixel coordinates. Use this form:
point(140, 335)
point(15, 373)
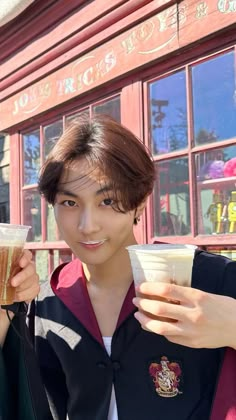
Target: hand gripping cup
point(166, 263)
point(12, 241)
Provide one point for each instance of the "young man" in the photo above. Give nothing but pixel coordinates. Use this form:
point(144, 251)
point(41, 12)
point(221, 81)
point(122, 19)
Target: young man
point(96, 360)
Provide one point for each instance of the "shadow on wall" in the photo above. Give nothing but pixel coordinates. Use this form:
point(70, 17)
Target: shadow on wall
point(4, 179)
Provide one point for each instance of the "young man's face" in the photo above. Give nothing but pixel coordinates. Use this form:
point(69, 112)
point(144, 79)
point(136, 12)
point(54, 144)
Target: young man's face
point(84, 212)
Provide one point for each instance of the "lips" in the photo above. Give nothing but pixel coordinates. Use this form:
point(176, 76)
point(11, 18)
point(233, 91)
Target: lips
point(92, 242)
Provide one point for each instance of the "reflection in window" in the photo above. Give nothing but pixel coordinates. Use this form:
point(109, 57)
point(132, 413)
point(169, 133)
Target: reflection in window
point(31, 155)
point(216, 187)
point(214, 100)
point(32, 214)
point(171, 198)
point(168, 113)
point(110, 107)
point(52, 133)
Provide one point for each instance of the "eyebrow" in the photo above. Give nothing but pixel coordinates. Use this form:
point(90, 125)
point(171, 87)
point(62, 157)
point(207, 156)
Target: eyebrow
point(102, 190)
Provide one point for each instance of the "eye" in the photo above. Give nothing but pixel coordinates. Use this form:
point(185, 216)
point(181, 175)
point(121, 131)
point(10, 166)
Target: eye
point(69, 203)
point(107, 202)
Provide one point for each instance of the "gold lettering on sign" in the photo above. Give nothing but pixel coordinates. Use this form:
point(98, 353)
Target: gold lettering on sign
point(140, 34)
point(32, 98)
point(202, 10)
point(90, 75)
point(167, 20)
point(227, 6)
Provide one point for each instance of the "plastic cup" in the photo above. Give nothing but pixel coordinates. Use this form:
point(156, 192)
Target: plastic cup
point(166, 263)
point(12, 241)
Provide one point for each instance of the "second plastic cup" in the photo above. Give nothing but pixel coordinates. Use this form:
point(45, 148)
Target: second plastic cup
point(167, 263)
point(12, 241)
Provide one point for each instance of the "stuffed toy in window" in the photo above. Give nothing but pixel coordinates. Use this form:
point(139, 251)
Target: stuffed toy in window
point(230, 168)
point(211, 170)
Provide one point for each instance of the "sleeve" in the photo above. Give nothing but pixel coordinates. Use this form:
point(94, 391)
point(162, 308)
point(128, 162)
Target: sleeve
point(52, 374)
point(228, 284)
point(214, 274)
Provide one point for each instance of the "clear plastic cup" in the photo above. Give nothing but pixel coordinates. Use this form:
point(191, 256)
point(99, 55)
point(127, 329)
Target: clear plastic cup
point(12, 241)
point(166, 263)
point(162, 262)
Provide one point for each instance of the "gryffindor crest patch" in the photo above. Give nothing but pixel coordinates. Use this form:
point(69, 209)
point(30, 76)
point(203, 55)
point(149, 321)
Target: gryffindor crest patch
point(166, 377)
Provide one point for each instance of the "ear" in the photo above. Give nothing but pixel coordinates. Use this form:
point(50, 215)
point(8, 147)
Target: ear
point(140, 209)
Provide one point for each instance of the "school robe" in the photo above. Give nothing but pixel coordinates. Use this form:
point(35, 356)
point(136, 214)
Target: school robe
point(22, 394)
point(153, 378)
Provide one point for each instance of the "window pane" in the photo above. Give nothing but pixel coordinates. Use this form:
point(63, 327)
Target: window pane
point(32, 214)
point(168, 113)
point(31, 157)
point(214, 99)
point(216, 188)
point(52, 133)
point(52, 234)
point(41, 261)
point(171, 198)
point(4, 213)
point(111, 107)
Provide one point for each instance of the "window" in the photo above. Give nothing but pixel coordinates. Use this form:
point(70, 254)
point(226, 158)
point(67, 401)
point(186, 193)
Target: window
point(168, 113)
point(195, 194)
point(214, 99)
point(171, 198)
point(216, 190)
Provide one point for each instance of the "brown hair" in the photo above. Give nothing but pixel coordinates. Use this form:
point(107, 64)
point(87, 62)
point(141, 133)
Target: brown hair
point(111, 147)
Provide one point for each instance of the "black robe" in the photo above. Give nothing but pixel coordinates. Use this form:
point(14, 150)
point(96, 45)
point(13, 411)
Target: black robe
point(22, 394)
point(153, 378)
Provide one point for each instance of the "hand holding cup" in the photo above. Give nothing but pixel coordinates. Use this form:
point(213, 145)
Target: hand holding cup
point(12, 241)
point(165, 263)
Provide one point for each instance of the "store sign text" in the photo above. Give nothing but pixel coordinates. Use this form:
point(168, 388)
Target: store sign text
point(88, 77)
point(227, 6)
point(33, 98)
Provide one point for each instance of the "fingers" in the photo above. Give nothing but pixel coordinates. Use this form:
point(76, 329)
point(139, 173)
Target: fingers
point(160, 308)
point(25, 258)
point(26, 282)
point(27, 271)
point(169, 291)
point(159, 327)
point(28, 293)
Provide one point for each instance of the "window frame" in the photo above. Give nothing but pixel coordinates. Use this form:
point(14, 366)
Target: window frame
point(164, 70)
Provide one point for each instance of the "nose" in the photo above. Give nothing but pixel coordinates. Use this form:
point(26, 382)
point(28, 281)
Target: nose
point(88, 222)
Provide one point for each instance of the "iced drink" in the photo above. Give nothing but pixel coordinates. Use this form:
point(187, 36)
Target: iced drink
point(12, 240)
point(165, 263)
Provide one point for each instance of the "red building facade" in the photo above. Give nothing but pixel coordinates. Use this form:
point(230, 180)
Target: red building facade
point(165, 69)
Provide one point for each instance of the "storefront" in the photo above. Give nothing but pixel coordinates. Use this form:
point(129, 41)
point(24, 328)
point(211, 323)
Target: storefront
point(165, 70)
